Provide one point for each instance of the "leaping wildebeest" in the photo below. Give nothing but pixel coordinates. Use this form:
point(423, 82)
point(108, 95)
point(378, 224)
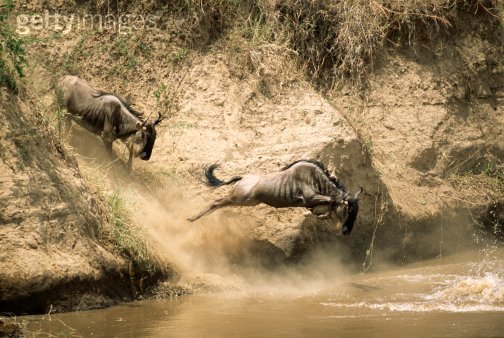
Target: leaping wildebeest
point(107, 116)
point(303, 183)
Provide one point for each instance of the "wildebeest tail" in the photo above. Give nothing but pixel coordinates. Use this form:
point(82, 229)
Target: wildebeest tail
point(212, 181)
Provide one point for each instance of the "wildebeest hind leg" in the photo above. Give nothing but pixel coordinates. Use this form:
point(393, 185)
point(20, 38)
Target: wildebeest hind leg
point(220, 203)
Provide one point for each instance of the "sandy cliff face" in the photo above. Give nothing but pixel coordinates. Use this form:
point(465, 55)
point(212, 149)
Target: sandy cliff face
point(432, 118)
point(418, 139)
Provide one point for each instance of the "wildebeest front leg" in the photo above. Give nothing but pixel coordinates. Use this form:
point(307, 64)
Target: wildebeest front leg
point(321, 205)
point(318, 200)
point(130, 161)
point(323, 216)
point(220, 203)
point(108, 137)
point(321, 211)
point(108, 146)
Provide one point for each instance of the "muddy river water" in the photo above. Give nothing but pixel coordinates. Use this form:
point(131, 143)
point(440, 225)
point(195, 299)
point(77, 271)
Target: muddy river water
point(458, 296)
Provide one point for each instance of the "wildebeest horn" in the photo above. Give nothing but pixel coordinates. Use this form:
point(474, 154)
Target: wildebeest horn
point(147, 119)
point(355, 197)
point(159, 119)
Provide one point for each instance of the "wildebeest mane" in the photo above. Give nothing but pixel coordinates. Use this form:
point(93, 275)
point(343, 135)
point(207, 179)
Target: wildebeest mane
point(339, 184)
point(128, 105)
point(315, 162)
point(336, 181)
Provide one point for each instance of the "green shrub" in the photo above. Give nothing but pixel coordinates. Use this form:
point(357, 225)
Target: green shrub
point(124, 235)
point(12, 52)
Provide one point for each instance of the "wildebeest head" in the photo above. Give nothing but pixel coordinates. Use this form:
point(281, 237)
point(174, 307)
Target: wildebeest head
point(145, 137)
point(345, 207)
point(351, 206)
point(348, 207)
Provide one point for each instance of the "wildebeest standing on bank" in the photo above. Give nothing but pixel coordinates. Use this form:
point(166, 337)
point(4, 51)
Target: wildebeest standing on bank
point(107, 116)
point(300, 184)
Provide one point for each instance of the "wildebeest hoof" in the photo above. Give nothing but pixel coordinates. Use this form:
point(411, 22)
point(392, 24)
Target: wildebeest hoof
point(321, 210)
point(323, 216)
point(346, 231)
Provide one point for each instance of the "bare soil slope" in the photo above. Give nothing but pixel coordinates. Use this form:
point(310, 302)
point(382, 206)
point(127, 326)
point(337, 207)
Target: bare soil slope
point(50, 224)
point(432, 120)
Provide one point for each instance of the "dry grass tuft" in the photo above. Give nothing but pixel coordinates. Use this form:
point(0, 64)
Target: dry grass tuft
point(343, 39)
point(334, 40)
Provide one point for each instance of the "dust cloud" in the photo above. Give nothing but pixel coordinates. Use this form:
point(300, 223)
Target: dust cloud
point(213, 251)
